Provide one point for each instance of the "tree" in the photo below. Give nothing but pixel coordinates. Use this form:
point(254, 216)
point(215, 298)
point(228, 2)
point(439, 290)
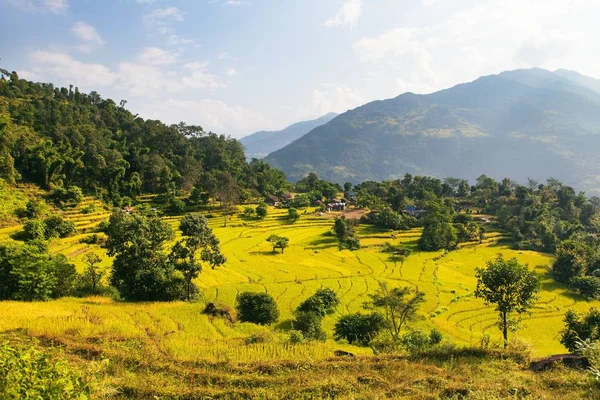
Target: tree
point(397, 306)
point(510, 286)
point(141, 271)
point(278, 242)
point(572, 260)
point(587, 286)
point(92, 275)
point(258, 308)
point(262, 210)
point(228, 191)
point(345, 232)
point(309, 323)
point(359, 328)
point(198, 236)
point(293, 214)
point(580, 328)
point(323, 302)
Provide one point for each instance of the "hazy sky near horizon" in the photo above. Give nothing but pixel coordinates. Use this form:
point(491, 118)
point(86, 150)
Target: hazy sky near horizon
point(238, 66)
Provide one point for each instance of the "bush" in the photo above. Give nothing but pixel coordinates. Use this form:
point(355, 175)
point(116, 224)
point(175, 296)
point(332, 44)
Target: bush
point(34, 229)
point(262, 211)
point(293, 214)
point(261, 337)
point(89, 209)
point(34, 209)
point(258, 308)
point(580, 327)
point(219, 311)
point(177, 206)
point(309, 323)
point(587, 286)
point(359, 328)
point(57, 227)
point(415, 341)
point(296, 337)
point(27, 373)
point(248, 212)
point(435, 337)
point(321, 303)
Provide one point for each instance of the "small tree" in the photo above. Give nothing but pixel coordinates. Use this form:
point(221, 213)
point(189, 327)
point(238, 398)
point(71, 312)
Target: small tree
point(323, 302)
point(510, 286)
point(262, 210)
point(580, 328)
point(345, 232)
point(198, 236)
point(278, 242)
point(92, 276)
point(293, 214)
point(309, 323)
point(258, 308)
point(359, 328)
point(397, 306)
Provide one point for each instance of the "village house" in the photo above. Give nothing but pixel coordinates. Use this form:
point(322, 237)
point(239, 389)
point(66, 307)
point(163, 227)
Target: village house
point(273, 201)
point(414, 211)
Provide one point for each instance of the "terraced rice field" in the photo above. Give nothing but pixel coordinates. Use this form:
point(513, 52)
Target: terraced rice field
point(312, 261)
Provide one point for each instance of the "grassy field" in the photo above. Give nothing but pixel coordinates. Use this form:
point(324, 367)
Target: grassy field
point(179, 334)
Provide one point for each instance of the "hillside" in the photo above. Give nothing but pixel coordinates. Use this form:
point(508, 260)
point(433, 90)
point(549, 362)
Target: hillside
point(259, 144)
point(526, 123)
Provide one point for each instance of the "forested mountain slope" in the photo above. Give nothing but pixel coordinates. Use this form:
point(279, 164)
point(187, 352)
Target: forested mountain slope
point(527, 123)
point(259, 144)
point(59, 137)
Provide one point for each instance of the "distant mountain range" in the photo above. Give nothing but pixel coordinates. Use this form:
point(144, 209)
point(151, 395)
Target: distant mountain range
point(518, 124)
point(259, 144)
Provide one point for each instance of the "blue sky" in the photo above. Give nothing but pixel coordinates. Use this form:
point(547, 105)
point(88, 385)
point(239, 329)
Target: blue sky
point(238, 66)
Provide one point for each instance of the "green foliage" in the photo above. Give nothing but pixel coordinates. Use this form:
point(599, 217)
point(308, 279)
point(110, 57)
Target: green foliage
point(389, 219)
point(27, 373)
point(580, 328)
point(438, 232)
point(35, 209)
point(293, 214)
point(359, 328)
point(57, 227)
point(258, 308)
point(141, 271)
point(587, 286)
point(91, 279)
point(198, 237)
point(510, 286)
point(296, 337)
point(28, 272)
point(34, 230)
point(397, 306)
point(177, 206)
point(309, 323)
point(591, 352)
point(345, 232)
point(323, 302)
point(417, 340)
point(278, 242)
point(572, 260)
point(262, 211)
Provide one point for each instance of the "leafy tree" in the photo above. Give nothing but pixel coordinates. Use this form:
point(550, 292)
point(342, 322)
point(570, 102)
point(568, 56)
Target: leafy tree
point(258, 308)
point(198, 196)
point(345, 232)
point(587, 286)
point(93, 274)
point(34, 209)
point(580, 328)
point(57, 227)
point(177, 206)
point(198, 237)
point(510, 286)
point(141, 270)
point(397, 307)
point(278, 242)
point(323, 302)
point(572, 260)
point(262, 211)
point(309, 323)
point(33, 230)
point(293, 214)
point(359, 328)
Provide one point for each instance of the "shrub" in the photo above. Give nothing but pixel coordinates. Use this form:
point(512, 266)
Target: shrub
point(177, 206)
point(580, 327)
point(34, 209)
point(57, 227)
point(27, 373)
point(89, 209)
point(262, 211)
point(296, 337)
point(415, 341)
point(322, 302)
point(435, 337)
point(591, 351)
point(359, 328)
point(258, 308)
point(219, 311)
point(293, 214)
point(248, 211)
point(309, 323)
point(587, 286)
point(261, 337)
point(34, 229)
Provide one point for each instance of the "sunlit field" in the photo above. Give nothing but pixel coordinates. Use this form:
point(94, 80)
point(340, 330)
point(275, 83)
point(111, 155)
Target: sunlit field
point(312, 261)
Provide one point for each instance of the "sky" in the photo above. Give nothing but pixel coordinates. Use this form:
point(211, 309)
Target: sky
point(239, 66)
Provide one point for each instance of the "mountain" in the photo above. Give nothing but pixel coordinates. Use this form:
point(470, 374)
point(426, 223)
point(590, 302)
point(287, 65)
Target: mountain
point(259, 144)
point(525, 123)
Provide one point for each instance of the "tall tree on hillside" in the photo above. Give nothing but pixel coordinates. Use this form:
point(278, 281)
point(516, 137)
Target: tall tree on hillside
point(510, 286)
point(228, 192)
point(198, 237)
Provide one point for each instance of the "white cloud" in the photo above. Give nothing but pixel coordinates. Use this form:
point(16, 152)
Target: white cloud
point(347, 15)
point(68, 70)
point(88, 35)
point(228, 2)
point(52, 6)
point(231, 71)
point(157, 56)
point(213, 115)
point(161, 16)
point(331, 97)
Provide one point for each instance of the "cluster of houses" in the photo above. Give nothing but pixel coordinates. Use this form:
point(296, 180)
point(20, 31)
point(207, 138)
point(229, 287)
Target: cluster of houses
point(276, 201)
